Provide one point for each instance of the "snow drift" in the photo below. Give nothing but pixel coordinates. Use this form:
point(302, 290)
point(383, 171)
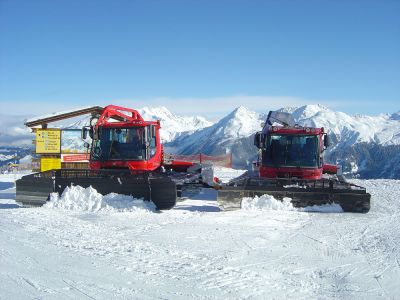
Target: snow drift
point(268, 202)
point(88, 199)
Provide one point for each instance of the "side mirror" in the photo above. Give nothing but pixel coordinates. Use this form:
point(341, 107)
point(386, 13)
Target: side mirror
point(84, 133)
point(327, 141)
point(86, 145)
point(257, 140)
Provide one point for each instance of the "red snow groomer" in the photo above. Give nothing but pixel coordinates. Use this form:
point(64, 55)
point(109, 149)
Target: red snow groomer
point(291, 165)
point(126, 157)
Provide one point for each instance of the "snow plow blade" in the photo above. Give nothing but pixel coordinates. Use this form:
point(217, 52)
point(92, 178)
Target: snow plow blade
point(35, 189)
point(303, 193)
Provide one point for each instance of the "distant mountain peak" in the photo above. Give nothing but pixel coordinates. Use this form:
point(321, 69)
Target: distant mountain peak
point(241, 112)
point(313, 108)
point(160, 111)
point(395, 116)
point(171, 124)
point(308, 111)
point(241, 108)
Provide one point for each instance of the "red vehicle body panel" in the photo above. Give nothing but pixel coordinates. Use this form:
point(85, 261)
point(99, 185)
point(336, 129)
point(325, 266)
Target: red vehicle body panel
point(126, 117)
point(289, 172)
point(298, 172)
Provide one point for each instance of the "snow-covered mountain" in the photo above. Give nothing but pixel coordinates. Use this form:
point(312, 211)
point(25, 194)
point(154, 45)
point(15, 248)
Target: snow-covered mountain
point(13, 154)
point(171, 124)
point(395, 116)
point(5, 157)
point(365, 146)
point(238, 124)
point(368, 146)
point(231, 134)
point(347, 130)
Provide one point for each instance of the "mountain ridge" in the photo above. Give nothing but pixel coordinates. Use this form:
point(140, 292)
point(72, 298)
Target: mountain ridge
point(366, 146)
point(359, 143)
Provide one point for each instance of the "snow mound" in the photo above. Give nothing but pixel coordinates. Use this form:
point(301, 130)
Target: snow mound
point(88, 199)
point(268, 202)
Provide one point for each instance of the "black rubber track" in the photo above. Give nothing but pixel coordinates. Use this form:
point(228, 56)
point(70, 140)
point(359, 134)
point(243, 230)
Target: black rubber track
point(34, 189)
point(350, 197)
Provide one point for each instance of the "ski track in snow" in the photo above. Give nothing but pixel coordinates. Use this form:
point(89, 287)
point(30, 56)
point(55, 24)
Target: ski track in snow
point(195, 252)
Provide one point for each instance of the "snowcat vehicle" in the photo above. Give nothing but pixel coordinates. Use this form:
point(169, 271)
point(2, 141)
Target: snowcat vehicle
point(126, 157)
point(291, 165)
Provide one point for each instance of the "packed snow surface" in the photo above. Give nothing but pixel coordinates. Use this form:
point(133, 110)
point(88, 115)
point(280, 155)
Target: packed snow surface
point(72, 250)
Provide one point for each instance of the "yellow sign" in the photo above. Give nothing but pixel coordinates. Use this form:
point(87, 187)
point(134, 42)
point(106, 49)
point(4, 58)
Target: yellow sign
point(49, 163)
point(48, 141)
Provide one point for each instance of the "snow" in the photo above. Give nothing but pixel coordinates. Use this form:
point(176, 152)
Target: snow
point(4, 157)
point(27, 159)
point(12, 176)
point(171, 124)
point(362, 140)
point(395, 116)
point(268, 202)
point(381, 129)
point(359, 143)
point(196, 251)
point(240, 123)
point(350, 129)
point(88, 199)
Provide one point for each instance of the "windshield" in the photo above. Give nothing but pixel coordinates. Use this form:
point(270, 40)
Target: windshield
point(291, 151)
point(120, 144)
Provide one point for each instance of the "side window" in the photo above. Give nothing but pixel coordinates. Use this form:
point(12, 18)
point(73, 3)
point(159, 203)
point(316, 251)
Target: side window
point(152, 140)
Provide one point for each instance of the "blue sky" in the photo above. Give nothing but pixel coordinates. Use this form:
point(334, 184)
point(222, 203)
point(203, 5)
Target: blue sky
point(199, 57)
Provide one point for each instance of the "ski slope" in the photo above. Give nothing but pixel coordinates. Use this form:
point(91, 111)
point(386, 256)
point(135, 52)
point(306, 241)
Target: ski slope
point(196, 251)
